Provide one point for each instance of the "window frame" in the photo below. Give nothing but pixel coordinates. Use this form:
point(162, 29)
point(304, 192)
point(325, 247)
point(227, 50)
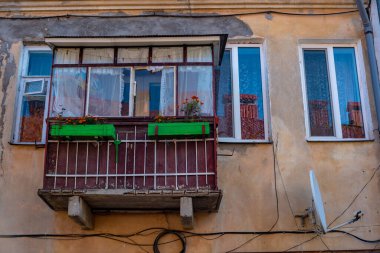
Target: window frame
point(22, 79)
point(133, 67)
point(367, 121)
point(236, 94)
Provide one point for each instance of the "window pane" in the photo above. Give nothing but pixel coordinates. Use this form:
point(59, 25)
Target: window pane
point(66, 56)
point(348, 91)
point(98, 55)
point(39, 63)
point(199, 54)
point(32, 117)
point(167, 54)
point(68, 92)
point(34, 87)
point(318, 93)
point(133, 55)
point(109, 92)
point(196, 81)
point(224, 97)
point(154, 91)
point(251, 94)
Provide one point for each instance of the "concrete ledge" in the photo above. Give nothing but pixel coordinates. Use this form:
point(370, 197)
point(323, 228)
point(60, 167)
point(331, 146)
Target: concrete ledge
point(134, 201)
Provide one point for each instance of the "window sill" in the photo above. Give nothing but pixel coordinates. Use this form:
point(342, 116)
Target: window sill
point(311, 139)
point(36, 145)
point(239, 141)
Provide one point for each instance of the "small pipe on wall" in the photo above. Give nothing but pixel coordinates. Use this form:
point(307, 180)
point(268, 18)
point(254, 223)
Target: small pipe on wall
point(368, 31)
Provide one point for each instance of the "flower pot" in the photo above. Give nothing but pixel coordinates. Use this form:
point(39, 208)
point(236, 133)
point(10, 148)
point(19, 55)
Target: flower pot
point(83, 132)
point(178, 129)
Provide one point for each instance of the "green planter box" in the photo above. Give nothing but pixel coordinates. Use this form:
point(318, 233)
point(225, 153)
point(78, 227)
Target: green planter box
point(178, 129)
point(84, 132)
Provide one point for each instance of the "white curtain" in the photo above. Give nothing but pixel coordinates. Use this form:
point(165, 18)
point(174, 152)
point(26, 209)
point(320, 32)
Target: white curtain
point(106, 92)
point(133, 55)
point(167, 54)
point(66, 56)
point(196, 81)
point(68, 92)
point(98, 55)
point(167, 92)
point(199, 54)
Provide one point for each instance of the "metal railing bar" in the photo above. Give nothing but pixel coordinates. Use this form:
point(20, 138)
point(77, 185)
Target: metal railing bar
point(134, 175)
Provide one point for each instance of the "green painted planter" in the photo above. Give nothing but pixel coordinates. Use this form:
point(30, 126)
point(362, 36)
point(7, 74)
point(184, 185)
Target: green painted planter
point(83, 132)
point(178, 129)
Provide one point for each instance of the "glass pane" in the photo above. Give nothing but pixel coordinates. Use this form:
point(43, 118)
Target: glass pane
point(32, 118)
point(98, 55)
point(109, 92)
point(154, 91)
point(133, 55)
point(66, 56)
point(224, 97)
point(167, 54)
point(196, 81)
point(34, 86)
point(68, 92)
point(251, 94)
point(40, 63)
point(348, 92)
point(318, 93)
point(199, 54)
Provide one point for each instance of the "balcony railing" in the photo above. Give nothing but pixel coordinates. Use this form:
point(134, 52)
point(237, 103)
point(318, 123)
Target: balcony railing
point(141, 164)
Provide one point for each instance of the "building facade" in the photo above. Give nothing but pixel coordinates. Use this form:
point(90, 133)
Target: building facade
point(259, 93)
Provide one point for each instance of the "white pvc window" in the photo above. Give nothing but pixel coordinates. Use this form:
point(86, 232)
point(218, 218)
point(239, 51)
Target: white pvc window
point(31, 109)
point(241, 95)
point(334, 93)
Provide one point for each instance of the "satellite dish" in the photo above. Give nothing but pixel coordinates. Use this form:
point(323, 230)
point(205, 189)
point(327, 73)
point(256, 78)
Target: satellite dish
point(319, 211)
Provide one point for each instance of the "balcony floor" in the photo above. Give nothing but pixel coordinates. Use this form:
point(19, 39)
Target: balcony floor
point(119, 200)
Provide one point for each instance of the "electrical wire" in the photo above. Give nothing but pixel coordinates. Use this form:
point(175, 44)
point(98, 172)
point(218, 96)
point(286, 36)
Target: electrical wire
point(162, 15)
point(357, 195)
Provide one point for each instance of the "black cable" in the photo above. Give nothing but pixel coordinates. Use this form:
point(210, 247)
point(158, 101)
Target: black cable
point(180, 235)
point(182, 15)
point(356, 237)
point(357, 195)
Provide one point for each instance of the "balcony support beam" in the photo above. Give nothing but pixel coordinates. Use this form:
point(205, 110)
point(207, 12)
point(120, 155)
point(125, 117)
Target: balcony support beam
point(80, 212)
point(187, 212)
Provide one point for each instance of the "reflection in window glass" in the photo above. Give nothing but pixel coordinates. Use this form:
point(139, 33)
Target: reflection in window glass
point(167, 54)
point(251, 94)
point(348, 92)
point(34, 86)
point(154, 91)
point(66, 56)
point(109, 92)
point(39, 63)
point(196, 81)
point(199, 54)
point(318, 93)
point(224, 98)
point(68, 92)
point(32, 117)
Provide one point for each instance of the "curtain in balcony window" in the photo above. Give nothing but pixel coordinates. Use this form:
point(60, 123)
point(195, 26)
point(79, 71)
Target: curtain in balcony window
point(98, 55)
point(196, 81)
point(167, 54)
point(68, 92)
point(66, 56)
point(109, 92)
point(133, 55)
point(199, 54)
point(167, 92)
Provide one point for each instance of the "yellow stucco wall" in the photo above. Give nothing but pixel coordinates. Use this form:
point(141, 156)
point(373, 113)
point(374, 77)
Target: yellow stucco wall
point(246, 178)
